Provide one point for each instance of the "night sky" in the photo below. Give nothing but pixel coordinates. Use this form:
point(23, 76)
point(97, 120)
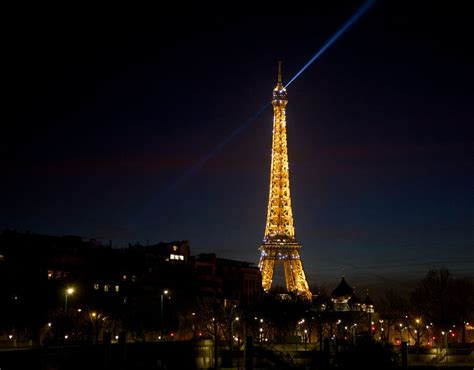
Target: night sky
point(105, 119)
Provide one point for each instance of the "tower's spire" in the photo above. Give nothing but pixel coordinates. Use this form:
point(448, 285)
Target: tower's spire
point(279, 73)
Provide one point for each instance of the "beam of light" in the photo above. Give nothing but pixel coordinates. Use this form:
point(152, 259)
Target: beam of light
point(204, 159)
point(198, 165)
point(367, 5)
point(194, 169)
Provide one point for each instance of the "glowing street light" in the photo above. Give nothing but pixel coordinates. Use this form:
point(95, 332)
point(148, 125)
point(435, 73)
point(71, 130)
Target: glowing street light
point(417, 332)
point(94, 317)
point(232, 323)
point(69, 291)
point(401, 332)
point(163, 293)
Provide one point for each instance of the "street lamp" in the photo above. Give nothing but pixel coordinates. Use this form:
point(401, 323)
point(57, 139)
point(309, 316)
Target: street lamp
point(401, 333)
point(305, 338)
point(232, 329)
point(354, 328)
point(69, 291)
point(417, 332)
point(163, 293)
point(445, 340)
point(94, 317)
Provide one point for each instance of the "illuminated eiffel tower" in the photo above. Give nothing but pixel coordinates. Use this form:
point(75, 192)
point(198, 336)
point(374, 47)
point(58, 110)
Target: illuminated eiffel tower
point(279, 244)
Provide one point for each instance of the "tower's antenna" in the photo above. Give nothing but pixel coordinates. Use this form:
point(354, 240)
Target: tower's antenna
point(279, 73)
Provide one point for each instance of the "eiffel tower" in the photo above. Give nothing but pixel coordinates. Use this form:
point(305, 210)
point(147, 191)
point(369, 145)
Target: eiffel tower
point(279, 243)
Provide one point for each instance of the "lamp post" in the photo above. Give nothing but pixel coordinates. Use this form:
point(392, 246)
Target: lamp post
point(305, 338)
point(417, 332)
point(354, 327)
point(445, 340)
point(163, 293)
point(232, 331)
point(93, 316)
point(69, 291)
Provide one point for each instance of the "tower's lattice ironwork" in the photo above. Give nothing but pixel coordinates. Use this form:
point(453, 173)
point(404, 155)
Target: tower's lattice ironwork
point(279, 243)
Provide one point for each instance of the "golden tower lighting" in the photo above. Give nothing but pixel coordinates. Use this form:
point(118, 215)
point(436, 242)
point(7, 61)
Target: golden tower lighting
point(279, 243)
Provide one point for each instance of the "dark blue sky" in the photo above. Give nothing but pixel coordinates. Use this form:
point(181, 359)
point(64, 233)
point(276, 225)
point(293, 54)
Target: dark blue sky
point(102, 120)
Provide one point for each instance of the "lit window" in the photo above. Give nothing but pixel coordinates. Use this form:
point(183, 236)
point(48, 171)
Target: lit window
point(106, 287)
point(117, 288)
point(124, 277)
point(96, 286)
point(178, 257)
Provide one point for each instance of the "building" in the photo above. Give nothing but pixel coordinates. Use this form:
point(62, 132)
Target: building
point(344, 299)
point(235, 281)
point(84, 280)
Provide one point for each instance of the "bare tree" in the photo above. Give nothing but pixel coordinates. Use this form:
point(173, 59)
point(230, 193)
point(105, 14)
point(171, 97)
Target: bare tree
point(392, 307)
point(463, 303)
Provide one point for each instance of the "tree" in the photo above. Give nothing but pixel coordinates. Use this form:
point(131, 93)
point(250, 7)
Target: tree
point(445, 301)
point(463, 303)
point(434, 294)
point(392, 307)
